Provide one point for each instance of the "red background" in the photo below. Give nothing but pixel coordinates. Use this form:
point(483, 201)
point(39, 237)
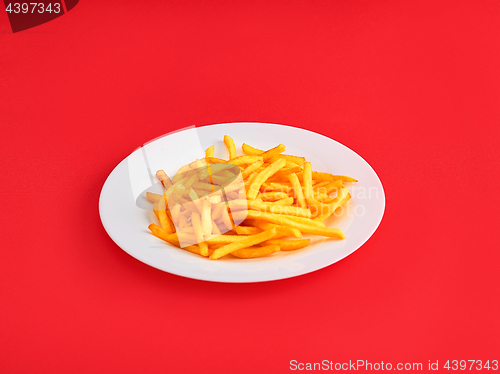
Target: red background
point(412, 86)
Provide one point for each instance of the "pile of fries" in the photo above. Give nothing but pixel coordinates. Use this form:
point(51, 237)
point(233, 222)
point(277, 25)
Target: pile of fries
point(247, 206)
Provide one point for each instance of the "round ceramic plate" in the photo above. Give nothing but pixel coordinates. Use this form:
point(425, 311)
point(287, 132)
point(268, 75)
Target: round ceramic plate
point(125, 213)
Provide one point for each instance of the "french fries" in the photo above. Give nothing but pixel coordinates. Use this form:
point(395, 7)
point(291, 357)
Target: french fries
point(247, 206)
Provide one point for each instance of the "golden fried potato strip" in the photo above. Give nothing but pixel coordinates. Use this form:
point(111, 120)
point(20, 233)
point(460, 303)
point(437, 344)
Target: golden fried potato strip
point(229, 142)
point(308, 228)
point(288, 245)
point(298, 190)
point(153, 197)
point(245, 160)
point(255, 252)
point(262, 177)
point(209, 152)
point(164, 179)
point(281, 231)
point(245, 243)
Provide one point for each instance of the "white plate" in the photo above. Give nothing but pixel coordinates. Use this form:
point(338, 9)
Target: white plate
point(125, 214)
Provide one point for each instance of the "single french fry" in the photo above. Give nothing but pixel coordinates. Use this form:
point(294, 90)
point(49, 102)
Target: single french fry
point(316, 186)
point(226, 219)
point(255, 252)
point(333, 186)
point(280, 219)
point(251, 168)
point(153, 197)
point(224, 239)
point(280, 209)
point(245, 243)
point(262, 177)
point(206, 217)
point(307, 180)
point(320, 176)
point(288, 245)
point(297, 161)
point(175, 214)
point(247, 230)
point(209, 152)
point(273, 152)
point(165, 222)
point(245, 160)
point(198, 250)
point(310, 227)
point(280, 230)
point(250, 179)
point(203, 246)
point(198, 231)
point(294, 160)
point(308, 191)
point(213, 247)
point(170, 221)
point(164, 179)
point(155, 210)
point(249, 150)
point(162, 234)
point(297, 189)
point(290, 164)
point(228, 141)
point(344, 178)
point(215, 160)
